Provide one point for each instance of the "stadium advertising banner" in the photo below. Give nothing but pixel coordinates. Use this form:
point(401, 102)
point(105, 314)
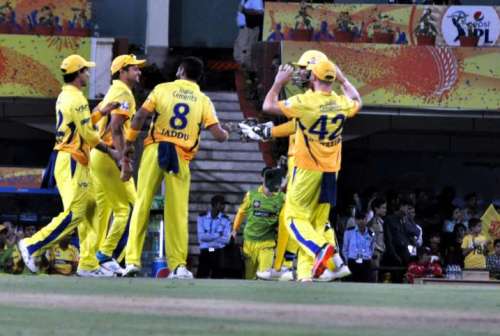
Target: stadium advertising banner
point(20, 177)
point(45, 17)
point(29, 64)
point(413, 76)
point(401, 24)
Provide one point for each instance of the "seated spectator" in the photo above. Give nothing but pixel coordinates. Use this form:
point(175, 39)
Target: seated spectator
point(63, 257)
point(457, 217)
point(436, 247)
point(214, 229)
point(376, 225)
point(493, 261)
point(471, 209)
point(357, 249)
point(474, 246)
point(453, 248)
point(426, 266)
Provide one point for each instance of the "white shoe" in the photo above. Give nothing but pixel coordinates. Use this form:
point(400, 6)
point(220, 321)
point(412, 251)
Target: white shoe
point(131, 270)
point(328, 275)
point(181, 272)
point(287, 275)
point(28, 259)
point(97, 273)
point(113, 266)
point(270, 275)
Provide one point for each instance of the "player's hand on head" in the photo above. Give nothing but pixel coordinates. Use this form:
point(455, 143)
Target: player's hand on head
point(284, 75)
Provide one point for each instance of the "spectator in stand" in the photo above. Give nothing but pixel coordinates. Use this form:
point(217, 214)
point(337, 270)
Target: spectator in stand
point(414, 226)
point(493, 261)
point(376, 225)
point(435, 246)
point(457, 217)
point(214, 230)
point(474, 246)
point(472, 209)
point(357, 249)
point(249, 33)
point(63, 257)
point(426, 266)
point(398, 237)
point(453, 248)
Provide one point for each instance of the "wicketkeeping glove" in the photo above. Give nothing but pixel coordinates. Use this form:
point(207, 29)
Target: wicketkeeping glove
point(254, 131)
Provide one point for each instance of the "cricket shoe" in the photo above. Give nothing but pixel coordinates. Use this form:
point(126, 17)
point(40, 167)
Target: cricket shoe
point(328, 275)
point(130, 271)
point(181, 273)
point(113, 266)
point(269, 275)
point(287, 275)
point(97, 273)
point(321, 261)
point(28, 259)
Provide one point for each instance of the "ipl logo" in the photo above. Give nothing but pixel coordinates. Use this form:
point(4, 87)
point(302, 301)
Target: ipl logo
point(480, 21)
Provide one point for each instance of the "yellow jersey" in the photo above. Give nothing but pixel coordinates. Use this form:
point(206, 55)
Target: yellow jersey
point(74, 131)
point(320, 120)
point(118, 92)
point(180, 111)
point(63, 260)
point(476, 258)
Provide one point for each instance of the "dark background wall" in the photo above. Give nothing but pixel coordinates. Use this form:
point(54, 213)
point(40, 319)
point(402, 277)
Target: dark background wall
point(203, 23)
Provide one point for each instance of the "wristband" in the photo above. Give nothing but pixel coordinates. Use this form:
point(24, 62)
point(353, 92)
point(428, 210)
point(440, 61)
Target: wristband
point(131, 135)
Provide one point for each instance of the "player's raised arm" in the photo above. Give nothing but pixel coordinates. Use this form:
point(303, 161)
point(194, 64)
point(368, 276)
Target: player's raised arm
point(283, 76)
point(349, 90)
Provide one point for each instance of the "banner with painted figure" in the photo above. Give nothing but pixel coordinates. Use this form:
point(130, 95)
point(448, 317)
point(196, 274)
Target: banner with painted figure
point(391, 24)
point(29, 64)
point(45, 17)
point(491, 225)
point(413, 76)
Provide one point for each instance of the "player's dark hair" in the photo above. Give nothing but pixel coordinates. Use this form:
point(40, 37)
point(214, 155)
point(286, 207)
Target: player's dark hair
point(116, 75)
point(496, 242)
point(68, 78)
point(193, 68)
point(378, 202)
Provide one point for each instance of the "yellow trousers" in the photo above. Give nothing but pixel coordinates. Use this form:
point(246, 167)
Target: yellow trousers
point(112, 196)
point(258, 257)
point(306, 218)
point(175, 211)
point(75, 187)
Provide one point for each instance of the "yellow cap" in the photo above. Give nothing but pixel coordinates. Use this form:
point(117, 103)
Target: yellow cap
point(2, 227)
point(74, 63)
point(123, 60)
point(325, 70)
point(309, 58)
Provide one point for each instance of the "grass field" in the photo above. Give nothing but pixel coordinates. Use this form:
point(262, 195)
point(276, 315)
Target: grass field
point(43, 305)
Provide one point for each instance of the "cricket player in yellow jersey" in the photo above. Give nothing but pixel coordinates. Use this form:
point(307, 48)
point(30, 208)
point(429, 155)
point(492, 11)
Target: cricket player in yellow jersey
point(286, 248)
point(179, 110)
point(75, 136)
point(113, 194)
point(320, 115)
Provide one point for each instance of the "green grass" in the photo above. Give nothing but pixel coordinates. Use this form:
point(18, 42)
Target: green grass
point(16, 320)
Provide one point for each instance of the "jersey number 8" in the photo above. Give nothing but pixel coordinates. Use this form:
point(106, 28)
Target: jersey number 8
point(179, 120)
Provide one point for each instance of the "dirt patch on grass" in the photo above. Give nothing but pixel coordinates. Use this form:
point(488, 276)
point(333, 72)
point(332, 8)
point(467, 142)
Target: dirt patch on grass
point(304, 314)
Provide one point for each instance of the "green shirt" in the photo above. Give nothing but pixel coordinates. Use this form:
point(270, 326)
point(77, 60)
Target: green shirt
point(262, 214)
